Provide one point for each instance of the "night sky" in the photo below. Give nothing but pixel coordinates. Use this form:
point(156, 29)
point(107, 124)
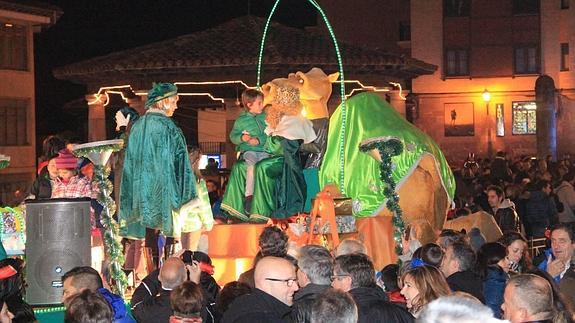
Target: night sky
point(91, 28)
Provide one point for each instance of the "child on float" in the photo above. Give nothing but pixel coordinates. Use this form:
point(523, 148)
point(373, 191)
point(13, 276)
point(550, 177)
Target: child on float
point(249, 137)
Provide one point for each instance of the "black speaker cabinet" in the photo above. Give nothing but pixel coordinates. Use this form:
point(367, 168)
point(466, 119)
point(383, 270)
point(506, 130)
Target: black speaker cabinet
point(57, 240)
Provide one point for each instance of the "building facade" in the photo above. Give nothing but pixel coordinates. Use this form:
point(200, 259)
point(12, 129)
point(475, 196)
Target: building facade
point(490, 54)
point(18, 23)
point(499, 47)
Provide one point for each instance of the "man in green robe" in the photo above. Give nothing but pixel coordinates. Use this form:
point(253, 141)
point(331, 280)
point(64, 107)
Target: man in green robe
point(157, 179)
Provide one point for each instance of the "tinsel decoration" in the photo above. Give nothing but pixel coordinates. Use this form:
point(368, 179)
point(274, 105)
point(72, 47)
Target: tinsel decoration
point(388, 147)
point(99, 156)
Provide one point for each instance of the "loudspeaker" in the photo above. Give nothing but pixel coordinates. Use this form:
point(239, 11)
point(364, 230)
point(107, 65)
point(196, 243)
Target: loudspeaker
point(57, 240)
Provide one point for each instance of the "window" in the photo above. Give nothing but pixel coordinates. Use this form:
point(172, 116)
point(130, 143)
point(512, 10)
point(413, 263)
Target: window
point(524, 118)
point(564, 4)
point(565, 56)
point(525, 7)
point(13, 47)
point(456, 8)
point(456, 62)
point(13, 122)
point(527, 60)
point(404, 31)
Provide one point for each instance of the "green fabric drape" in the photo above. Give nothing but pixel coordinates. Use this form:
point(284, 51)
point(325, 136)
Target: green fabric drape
point(157, 177)
point(368, 116)
point(291, 191)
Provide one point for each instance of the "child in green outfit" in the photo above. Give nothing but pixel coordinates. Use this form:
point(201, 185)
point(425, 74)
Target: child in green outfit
point(249, 136)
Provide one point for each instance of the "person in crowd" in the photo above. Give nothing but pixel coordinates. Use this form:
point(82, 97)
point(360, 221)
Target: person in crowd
point(560, 300)
point(409, 244)
point(210, 287)
point(354, 273)
point(540, 209)
point(69, 184)
point(79, 279)
point(157, 308)
point(272, 242)
point(430, 253)
point(212, 167)
point(559, 262)
point(449, 309)
point(88, 307)
point(449, 236)
point(51, 145)
point(476, 239)
point(271, 300)
point(42, 186)
point(249, 137)
point(421, 285)
point(502, 209)
point(516, 245)
point(493, 267)
point(529, 298)
point(500, 171)
point(157, 177)
point(566, 195)
point(458, 264)
point(228, 295)
point(349, 246)
point(12, 290)
point(186, 301)
point(388, 280)
point(334, 306)
point(315, 268)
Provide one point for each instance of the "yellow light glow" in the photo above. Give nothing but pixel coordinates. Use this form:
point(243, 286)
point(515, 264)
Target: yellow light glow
point(400, 90)
point(103, 92)
point(8, 25)
point(242, 265)
point(364, 87)
point(486, 96)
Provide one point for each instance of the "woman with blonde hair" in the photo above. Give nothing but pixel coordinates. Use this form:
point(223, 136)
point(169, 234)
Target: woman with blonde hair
point(421, 285)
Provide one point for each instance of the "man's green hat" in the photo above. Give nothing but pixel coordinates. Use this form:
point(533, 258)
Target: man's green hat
point(159, 92)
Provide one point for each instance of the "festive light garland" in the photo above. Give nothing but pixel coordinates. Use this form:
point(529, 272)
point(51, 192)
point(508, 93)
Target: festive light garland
point(387, 148)
point(341, 82)
point(113, 247)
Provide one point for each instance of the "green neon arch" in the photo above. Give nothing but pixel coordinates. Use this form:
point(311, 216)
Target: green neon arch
point(341, 82)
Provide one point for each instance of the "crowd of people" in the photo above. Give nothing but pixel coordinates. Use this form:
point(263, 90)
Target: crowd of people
point(446, 281)
point(524, 194)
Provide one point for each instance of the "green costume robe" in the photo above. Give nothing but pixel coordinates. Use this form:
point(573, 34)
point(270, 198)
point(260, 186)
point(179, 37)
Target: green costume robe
point(157, 177)
point(368, 116)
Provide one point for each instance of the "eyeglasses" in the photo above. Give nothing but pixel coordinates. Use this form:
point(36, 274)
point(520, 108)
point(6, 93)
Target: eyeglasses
point(338, 277)
point(289, 282)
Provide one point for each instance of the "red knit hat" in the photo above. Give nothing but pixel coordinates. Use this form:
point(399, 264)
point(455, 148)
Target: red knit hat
point(66, 160)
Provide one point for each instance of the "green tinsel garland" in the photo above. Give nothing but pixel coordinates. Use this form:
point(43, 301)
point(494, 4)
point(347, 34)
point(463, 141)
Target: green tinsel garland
point(389, 147)
point(113, 247)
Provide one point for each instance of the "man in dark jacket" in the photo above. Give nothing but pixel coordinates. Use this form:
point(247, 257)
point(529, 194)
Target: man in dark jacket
point(315, 267)
point(502, 209)
point(499, 169)
point(157, 307)
point(457, 265)
point(355, 274)
point(271, 300)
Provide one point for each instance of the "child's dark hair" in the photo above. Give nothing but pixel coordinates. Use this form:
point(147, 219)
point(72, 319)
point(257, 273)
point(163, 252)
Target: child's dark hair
point(430, 253)
point(249, 96)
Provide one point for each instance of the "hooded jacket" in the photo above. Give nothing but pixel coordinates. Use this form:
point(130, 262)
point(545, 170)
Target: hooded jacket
point(506, 217)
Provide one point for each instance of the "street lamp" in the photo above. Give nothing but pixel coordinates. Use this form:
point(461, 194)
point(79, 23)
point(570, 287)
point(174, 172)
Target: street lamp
point(486, 98)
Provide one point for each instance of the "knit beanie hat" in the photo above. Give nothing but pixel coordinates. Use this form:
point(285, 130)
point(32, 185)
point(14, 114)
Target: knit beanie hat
point(66, 160)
